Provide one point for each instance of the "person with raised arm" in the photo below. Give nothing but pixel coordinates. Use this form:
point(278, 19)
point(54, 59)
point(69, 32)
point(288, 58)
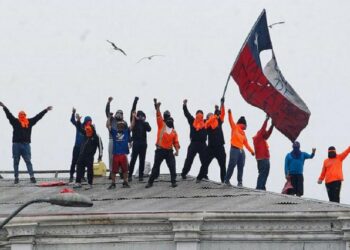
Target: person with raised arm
point(91, 142)
point(167, 139)
point(21, 139)
point(294, 168)
point(237, 154)
point(198, 137)
point(216, 143)
point(332, 173)
point(139, 128)
point(262, 154)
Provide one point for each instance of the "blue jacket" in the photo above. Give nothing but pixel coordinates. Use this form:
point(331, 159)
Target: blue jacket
point(296, 166)
point(120, 141)
point(79, 137)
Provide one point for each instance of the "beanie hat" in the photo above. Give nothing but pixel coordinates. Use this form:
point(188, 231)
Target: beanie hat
point(166, 115)
point(242, 120)
point(140, 113)
point(87, 119)
point(199, 111)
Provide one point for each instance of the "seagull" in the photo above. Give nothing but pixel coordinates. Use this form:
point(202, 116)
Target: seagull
point(271, 25)
point(115, 47)
point(148, 57)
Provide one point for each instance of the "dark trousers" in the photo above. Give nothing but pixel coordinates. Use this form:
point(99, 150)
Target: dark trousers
point(297, 181)
point(87, 162)
point(264, 169)
point(211, 153)
point(333, 190)
point(159, 156)
point(18, 150)
point(75, 156)
point(193, 149)
point(237, 157)
point(138, 150)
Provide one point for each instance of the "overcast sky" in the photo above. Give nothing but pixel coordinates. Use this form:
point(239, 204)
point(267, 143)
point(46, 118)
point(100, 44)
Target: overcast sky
point(55, 53)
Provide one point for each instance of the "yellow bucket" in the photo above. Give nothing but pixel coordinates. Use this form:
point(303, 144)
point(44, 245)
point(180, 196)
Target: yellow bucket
point(100, 169)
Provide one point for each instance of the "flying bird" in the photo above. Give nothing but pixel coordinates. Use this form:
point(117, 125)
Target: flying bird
point(115, 47)
point(271, 25)
point(148, 57)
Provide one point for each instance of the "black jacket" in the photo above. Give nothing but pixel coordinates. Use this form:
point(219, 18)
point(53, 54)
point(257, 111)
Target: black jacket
point(216, 136)
point(89, 145)
point(20, 134)
point(139, 132)
point(195, 136)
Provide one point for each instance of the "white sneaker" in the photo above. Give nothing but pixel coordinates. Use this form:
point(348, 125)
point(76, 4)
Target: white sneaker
point(77, 185)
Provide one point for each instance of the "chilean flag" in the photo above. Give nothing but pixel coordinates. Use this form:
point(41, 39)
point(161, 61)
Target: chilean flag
point(266, 87)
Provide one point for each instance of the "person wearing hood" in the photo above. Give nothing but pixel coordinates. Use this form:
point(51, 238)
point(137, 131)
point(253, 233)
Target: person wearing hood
point(78, 139)
point(21, 139)
point(216, 143)
point(139, 128)
point(198, 137)
point(294, 167)
point(237, 154)
point(89, 145)
point(167, 139)
point(114, 119)
point(262, 154)
point(332, 173)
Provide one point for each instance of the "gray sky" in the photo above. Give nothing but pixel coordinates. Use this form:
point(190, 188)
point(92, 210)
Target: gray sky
point(55, 53)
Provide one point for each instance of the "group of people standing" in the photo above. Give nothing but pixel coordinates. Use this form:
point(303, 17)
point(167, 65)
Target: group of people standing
point(206, 140)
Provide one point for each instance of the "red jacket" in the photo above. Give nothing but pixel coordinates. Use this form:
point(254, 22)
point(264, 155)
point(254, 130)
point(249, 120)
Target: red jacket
point(260, 144)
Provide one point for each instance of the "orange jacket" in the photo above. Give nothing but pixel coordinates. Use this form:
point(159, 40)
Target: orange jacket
point(333, 168)
point(238, 138)
point(165, 140)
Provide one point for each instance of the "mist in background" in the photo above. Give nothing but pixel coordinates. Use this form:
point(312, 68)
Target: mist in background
point(55, 53)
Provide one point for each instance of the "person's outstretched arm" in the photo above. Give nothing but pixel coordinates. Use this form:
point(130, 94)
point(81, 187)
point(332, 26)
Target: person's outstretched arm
point(133, 108)
point(79, 126)
point(310, 156)
point(344, 154)
point(108, 106)
point(159, 115)
point(189, 117)
point(9, 115)
point(222, 109)
point(266, 134)
point(72, 118)
point(133, 120)
point(230, 119)
point(36, 118)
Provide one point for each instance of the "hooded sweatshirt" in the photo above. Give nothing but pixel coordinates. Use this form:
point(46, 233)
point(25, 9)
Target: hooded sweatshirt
point(22, 134)
point(196, 135)
point(332, 169)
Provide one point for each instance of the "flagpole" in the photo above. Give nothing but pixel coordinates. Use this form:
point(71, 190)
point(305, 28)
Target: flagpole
point(228, 79)
point(245, 41)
